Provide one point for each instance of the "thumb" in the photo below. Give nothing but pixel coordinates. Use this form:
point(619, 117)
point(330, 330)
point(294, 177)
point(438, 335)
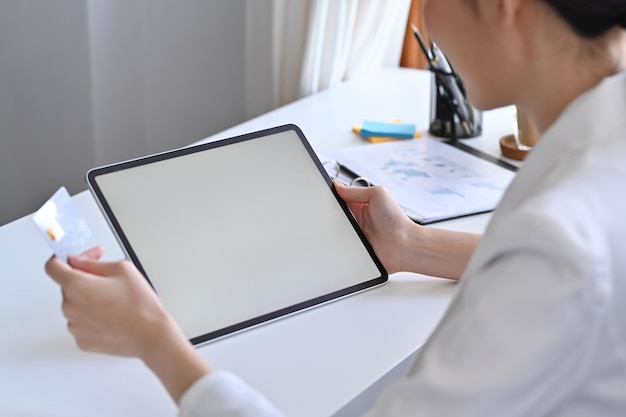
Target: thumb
point(94, 253)
point(354, 194)
point(59, 271)
point(95, 267)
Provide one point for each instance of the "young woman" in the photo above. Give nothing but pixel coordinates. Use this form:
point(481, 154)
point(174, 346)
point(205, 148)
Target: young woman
point(538, 324)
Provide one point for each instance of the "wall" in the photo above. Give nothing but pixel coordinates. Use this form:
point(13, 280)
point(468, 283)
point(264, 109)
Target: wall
point(89, 82)
point(45, 116)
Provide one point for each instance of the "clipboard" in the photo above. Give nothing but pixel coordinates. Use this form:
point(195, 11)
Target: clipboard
point(431, 180)
point(236, 233)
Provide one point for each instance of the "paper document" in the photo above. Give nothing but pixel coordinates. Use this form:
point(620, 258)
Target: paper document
point(430, 180)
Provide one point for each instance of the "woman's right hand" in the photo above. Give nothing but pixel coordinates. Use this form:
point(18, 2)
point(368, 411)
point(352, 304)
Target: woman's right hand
point(402, 245)
point(389, 230)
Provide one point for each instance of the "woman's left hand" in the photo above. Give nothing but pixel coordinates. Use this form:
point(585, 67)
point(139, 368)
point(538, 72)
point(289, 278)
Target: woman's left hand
point(109, 306)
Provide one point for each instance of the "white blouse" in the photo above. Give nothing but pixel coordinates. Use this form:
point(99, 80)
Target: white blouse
point(538, 325)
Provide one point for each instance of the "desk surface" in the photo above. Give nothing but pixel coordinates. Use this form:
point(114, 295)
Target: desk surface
point(309, 364)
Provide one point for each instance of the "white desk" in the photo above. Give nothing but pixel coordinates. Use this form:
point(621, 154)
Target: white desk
point(310, 364)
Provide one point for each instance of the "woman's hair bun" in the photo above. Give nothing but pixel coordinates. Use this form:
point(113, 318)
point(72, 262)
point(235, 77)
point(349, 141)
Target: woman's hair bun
point(591, 18)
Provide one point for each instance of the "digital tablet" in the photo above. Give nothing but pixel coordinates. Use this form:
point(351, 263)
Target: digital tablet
point(238, 232)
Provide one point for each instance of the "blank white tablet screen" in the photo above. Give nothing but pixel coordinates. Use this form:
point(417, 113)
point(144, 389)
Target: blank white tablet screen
point(238, 231)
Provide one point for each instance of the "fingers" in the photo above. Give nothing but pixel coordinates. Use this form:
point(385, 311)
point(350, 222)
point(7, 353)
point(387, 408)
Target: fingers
point(63, 273)
point(94, 253)
point(59, 271)
point(95, 267)
point(355, 194)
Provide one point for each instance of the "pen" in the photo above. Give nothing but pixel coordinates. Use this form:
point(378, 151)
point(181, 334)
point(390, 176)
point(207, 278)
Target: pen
point(420, 40)
point(434, 48)
point(349, 177)
point(441, 58)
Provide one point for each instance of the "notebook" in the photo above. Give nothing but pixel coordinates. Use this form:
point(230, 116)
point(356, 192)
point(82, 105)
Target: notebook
point(236, 233)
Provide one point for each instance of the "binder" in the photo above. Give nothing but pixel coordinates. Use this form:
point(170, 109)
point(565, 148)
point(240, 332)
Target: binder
point(431, 180)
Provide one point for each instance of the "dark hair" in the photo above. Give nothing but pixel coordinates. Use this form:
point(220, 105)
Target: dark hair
point(591, 18)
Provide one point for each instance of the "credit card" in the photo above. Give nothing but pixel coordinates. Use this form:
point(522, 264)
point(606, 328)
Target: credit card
point(62, 225)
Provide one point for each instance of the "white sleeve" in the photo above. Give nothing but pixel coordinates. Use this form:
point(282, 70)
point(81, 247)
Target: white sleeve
point(222, 394)
point(517, 338)
point(514, 341)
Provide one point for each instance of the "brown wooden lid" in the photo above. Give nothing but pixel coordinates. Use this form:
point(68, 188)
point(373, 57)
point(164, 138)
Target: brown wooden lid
point(509, 148)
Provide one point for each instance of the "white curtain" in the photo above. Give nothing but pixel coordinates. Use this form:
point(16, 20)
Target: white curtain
point(320, 43)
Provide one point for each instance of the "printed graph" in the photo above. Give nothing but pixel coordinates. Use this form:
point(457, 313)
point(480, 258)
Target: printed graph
point(447, 191)
point(429, 179)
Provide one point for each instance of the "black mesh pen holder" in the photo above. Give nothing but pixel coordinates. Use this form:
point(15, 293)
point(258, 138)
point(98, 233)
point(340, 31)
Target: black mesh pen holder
point(446, 110)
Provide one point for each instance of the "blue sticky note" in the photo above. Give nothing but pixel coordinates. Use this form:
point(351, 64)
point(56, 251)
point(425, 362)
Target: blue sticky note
point(389, 130)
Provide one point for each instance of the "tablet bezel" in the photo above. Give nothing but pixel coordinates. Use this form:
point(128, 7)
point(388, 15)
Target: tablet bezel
point(126, 245)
